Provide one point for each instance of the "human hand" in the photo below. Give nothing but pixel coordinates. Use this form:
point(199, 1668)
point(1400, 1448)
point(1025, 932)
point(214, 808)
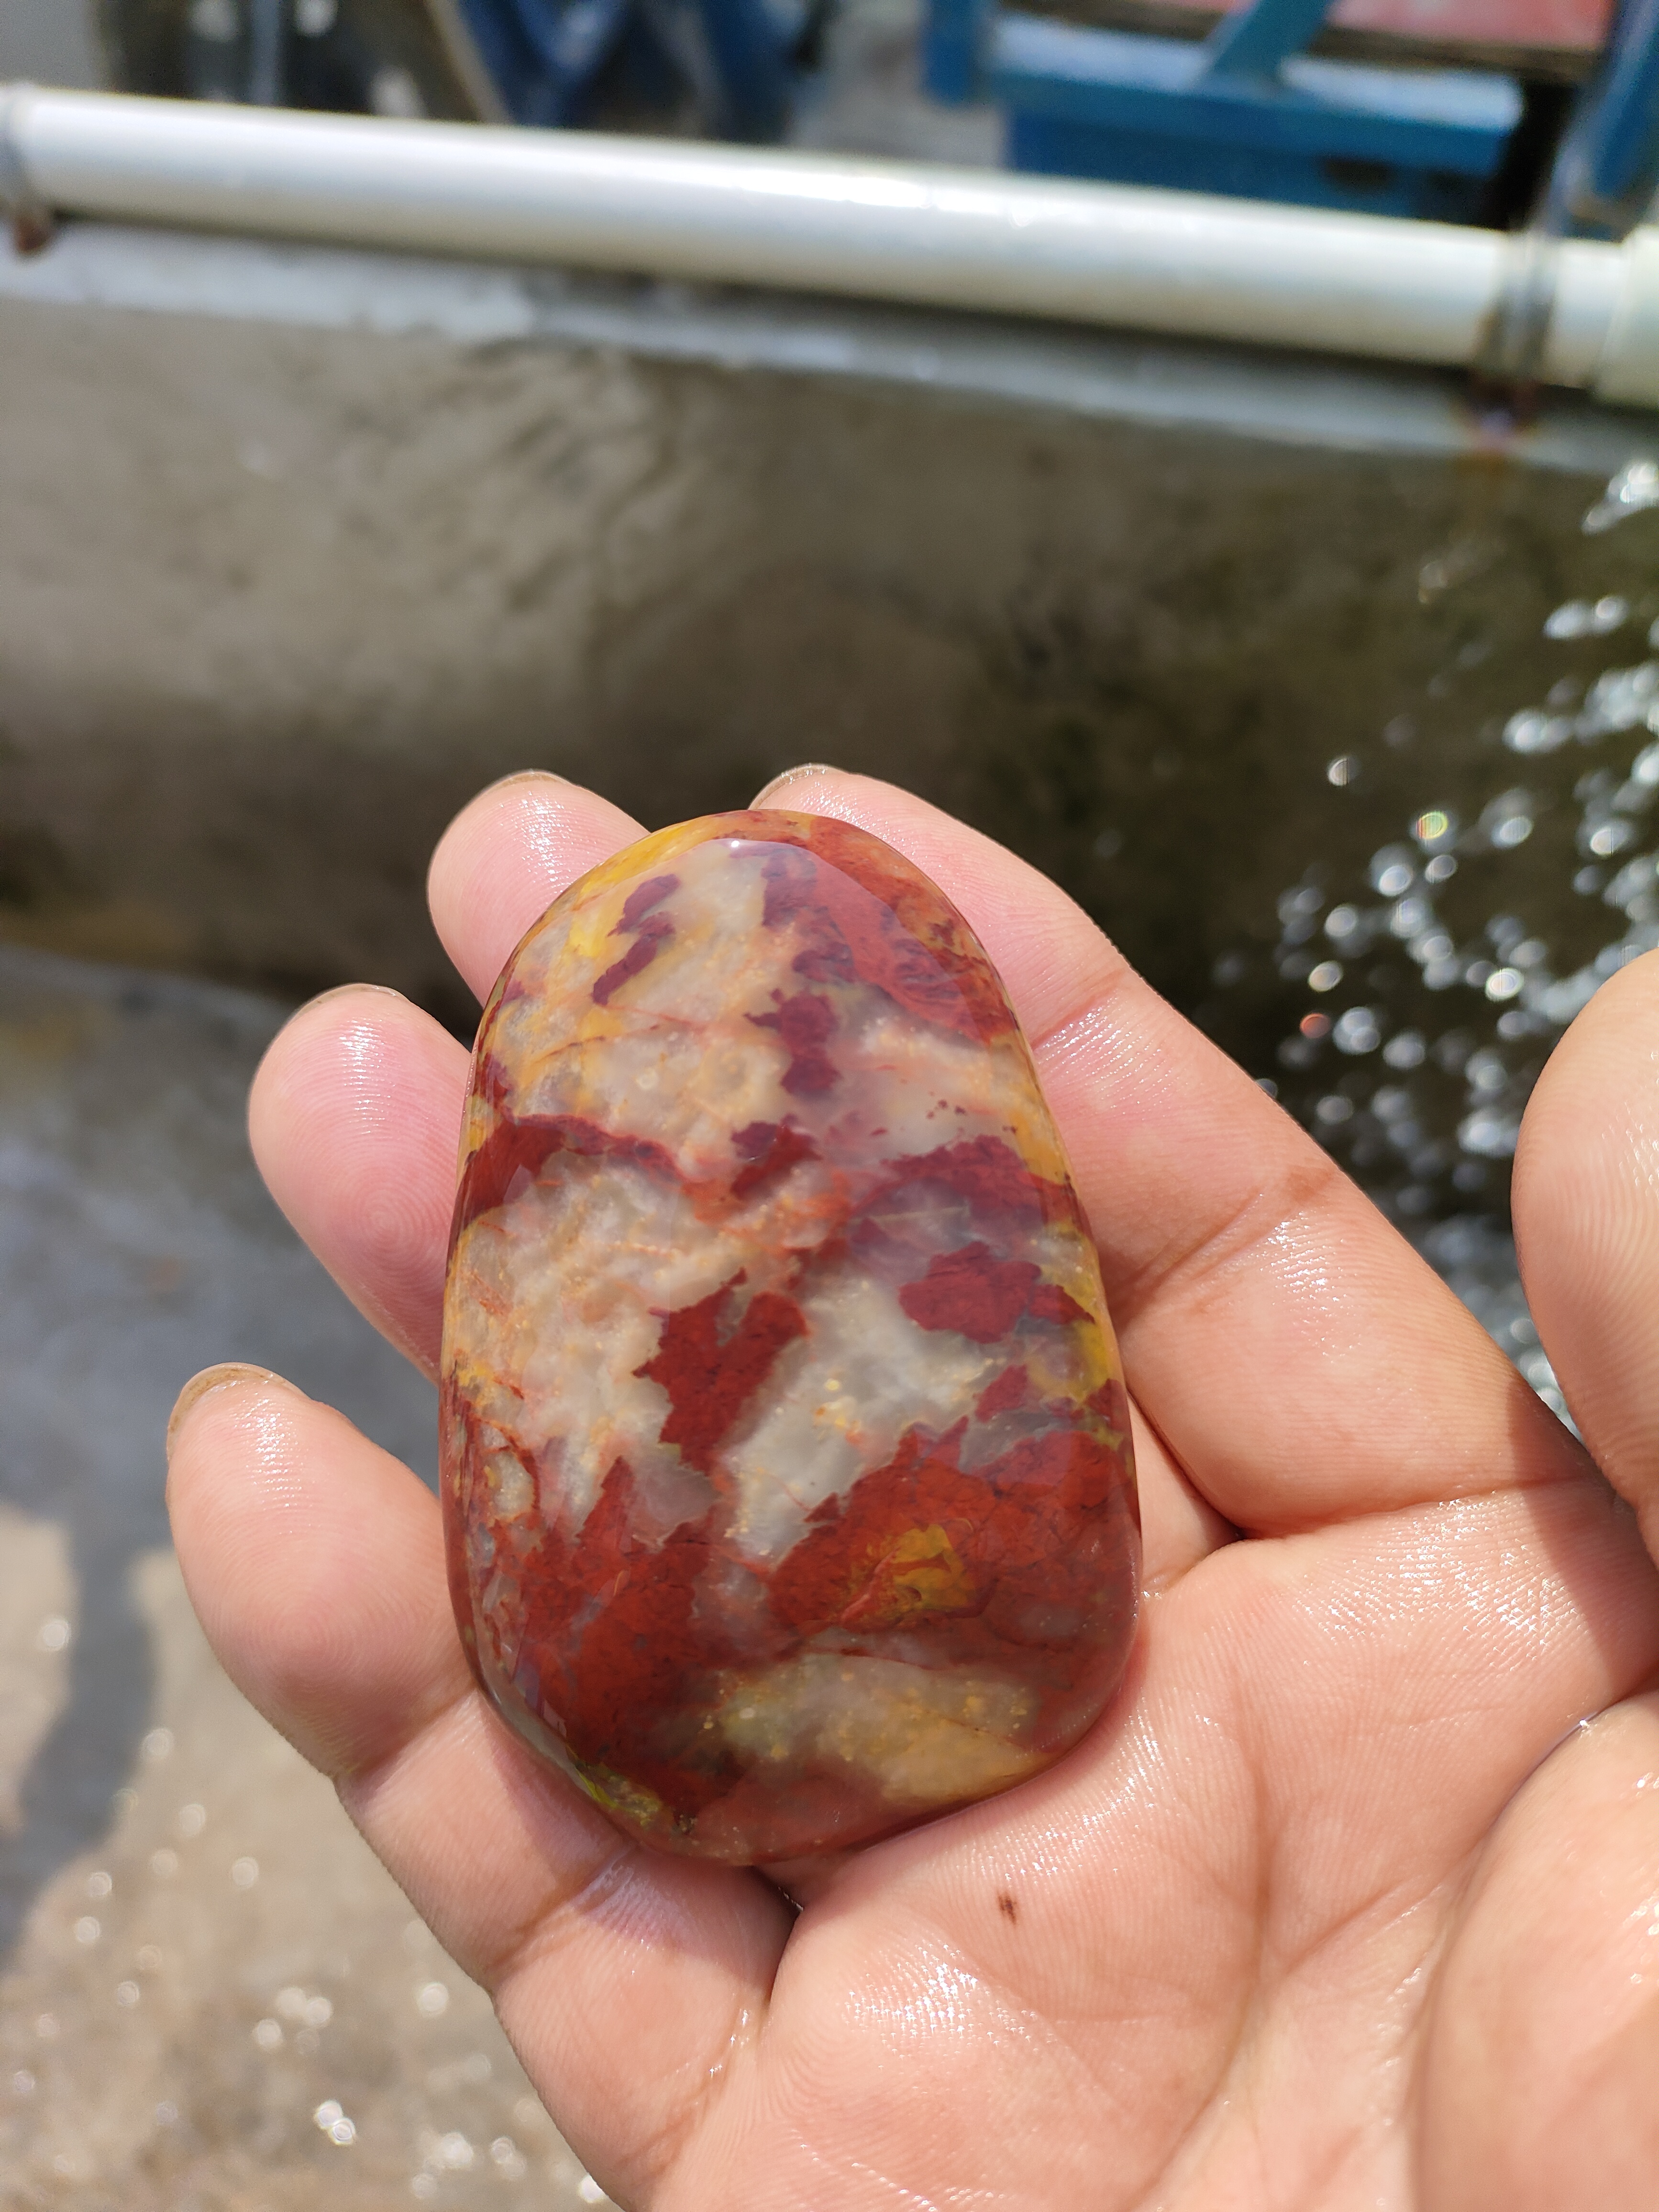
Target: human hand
point(1337, 1904)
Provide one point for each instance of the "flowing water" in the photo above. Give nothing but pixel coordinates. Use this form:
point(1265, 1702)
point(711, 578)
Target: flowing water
point(1498, 865)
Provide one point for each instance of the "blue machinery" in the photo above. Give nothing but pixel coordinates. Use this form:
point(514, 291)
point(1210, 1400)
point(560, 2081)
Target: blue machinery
point(1248, 113)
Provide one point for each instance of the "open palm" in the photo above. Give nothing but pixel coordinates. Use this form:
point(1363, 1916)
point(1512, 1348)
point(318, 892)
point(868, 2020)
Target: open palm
point(1341, 1902)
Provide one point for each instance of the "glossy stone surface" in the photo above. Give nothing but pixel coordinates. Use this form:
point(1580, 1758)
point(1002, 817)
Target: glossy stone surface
point(785, 1459)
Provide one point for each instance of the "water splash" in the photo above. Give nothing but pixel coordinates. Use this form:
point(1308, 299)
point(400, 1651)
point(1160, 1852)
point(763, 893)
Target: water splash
point(1439, 972)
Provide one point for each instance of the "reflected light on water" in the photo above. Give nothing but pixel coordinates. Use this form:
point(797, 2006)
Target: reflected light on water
point(1467, 941)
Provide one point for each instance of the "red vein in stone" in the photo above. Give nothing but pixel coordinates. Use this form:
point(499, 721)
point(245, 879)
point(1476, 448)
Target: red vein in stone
point(969, 1291)
point(771, 1148)
point(518, 1148)
point(654, 933)
point(804, 1024)
point(711, 1373)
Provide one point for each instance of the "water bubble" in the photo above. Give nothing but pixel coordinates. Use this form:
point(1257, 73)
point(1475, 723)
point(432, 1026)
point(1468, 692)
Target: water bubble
point(192, 1818)
point(268, 2034)
point(1434, 827)
point(454, 2152)
point(1405, 1050)
point(1315, 1026)
point(1356, 1031)
point(87, 1930)
point(1332, 1110)
point(1634, 488)
point(1410, 917)
point(53, 1633)
point(245, 1873)
point(1344, 769)
point(1507, 819)
point(100, 1885)
point(23, 2082)
point(1440, 868)
point(1325, 976)
point(1531, 731)
point(590, 2192)
point(1342, 921)
point(1644, 768)
point(1607, 838)
point(1297, 905)
point(163, 1864)
point(431, 1999)
point(157, 1744)
point(1505, 983)
point(127, 1993)
point(509, 2161)
point(1491, 1134)
point(1620, 700)
point(1588, 617)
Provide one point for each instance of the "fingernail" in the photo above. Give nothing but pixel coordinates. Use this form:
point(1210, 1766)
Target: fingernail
point(344, 990)
point(791, 775)
point(210, 1379)
point(527, 775)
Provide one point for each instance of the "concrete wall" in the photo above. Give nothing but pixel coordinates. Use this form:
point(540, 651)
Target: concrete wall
point(298, 548)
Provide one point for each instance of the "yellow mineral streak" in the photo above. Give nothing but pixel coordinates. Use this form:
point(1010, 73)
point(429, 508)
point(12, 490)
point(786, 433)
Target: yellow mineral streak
point(918, 1737)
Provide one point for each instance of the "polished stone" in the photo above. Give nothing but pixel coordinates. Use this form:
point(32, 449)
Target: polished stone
point(785, 1445)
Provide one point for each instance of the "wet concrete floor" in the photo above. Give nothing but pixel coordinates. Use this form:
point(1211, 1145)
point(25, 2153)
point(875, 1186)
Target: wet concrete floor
point(212, 1998)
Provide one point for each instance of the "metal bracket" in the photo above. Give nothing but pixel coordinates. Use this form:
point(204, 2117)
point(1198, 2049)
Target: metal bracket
point(33, 225)
point(1253, 42)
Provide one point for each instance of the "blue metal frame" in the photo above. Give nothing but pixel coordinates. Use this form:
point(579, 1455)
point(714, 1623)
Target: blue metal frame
point(1243, 112)
point(1607, 169)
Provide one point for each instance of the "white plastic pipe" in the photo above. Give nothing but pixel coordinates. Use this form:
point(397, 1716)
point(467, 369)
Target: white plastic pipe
point(1174, 262)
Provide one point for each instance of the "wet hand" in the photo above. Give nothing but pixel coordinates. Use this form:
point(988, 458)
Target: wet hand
point(1352, 1896)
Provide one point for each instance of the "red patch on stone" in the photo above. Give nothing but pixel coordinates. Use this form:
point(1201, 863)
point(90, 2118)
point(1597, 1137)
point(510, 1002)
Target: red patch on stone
point(771, 1148)
point(655, 932)
point(641, 900)
point(1111, 1402)
point(804, 1024)
point(881, 925)
point(643, 1648)
point(988, 1174)
point(1004, 1395)
point(1031, 1532)
point(711, 1374)
point(518, 1148)
point(1049, 1302)
point(979, 1296)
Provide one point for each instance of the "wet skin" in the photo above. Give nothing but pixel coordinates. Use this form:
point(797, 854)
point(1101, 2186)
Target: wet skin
point(1351, 1897)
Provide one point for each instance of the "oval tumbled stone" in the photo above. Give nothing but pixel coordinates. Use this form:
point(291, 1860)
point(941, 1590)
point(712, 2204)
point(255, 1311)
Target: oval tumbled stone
point(785, 1453)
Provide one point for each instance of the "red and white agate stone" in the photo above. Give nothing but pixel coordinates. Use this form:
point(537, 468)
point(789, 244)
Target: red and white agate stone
point(786, 1463)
